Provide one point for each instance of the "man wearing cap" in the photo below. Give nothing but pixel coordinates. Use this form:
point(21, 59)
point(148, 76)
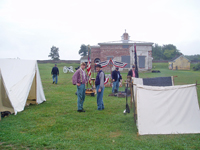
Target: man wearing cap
point(99, 83)
point(116, 77)
point(80, 79)
point(55, 74)
point(132, 72)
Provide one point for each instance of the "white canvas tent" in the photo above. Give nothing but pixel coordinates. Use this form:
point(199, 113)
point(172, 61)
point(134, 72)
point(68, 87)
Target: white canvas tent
point(19, 81)
point(167, 110)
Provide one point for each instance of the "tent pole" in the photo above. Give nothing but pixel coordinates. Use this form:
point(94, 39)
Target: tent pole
point(36, 87)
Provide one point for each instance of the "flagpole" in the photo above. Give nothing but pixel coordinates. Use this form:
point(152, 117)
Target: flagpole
point(87, 65)
point(136, 66)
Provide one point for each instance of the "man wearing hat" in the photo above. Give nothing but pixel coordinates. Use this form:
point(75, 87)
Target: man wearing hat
point(55, 74)
point(99, 83)
point(132, 72)
point(80, 79)
point(116, 77)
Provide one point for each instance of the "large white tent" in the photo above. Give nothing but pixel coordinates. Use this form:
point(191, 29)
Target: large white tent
point(167, 110)
point(19, 81)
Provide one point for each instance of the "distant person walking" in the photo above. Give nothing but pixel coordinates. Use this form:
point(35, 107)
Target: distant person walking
point(55, 74)
point(99, 83)
point(80, 79)
point(132, 72)
point(116, 77)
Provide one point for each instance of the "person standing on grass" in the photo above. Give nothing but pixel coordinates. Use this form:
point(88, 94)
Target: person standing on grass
point(80, 79)
point(55, 74)
point(99, 83)
point(116, 77)
point(132, 72)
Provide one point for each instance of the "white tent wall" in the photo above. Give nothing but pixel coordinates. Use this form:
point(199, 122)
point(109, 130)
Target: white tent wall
point(167, 110)
point(18, 77)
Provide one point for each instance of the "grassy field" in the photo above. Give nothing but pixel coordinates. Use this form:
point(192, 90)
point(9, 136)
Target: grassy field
point(56, 124)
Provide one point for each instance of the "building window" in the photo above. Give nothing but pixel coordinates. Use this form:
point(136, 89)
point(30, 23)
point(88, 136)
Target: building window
point(141, 61)
point(126, 59)
point(108, 57)
point(125, 46)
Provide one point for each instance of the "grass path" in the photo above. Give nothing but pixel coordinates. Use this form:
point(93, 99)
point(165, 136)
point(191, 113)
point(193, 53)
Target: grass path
point(56, 124)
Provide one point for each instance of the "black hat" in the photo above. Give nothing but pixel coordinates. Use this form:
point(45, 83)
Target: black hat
point(117, 68)
point(98, 65)
point(133, 66)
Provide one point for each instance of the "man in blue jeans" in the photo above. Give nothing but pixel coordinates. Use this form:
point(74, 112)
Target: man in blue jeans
point(80, 80)
point(116, 77)
point(99, 83)
point(55, 74)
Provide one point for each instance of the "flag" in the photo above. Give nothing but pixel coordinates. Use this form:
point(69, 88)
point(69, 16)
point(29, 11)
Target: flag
point(119, 64)
point(103, 64)
point(89, 68)
point(106, 81)
point(136, 67)
point(115, 63)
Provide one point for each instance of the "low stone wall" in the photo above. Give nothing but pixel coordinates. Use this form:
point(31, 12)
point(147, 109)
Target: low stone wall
point(160, 61)
point(59, 61)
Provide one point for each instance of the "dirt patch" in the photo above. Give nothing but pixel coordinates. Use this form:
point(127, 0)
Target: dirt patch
point(115, 134)
point(1, 143)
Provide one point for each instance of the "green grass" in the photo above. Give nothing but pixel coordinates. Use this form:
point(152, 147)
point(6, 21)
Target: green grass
point(56, 124)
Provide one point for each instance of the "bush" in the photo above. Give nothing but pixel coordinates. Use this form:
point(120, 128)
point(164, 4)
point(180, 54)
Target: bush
point(196, 67)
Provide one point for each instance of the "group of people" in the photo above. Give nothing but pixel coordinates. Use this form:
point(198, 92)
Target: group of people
point(80, 80)
point(116, 78)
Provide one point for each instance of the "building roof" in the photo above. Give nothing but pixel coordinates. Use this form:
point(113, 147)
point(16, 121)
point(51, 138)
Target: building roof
point(173, 59)
point(84, 57)
point(126, 42)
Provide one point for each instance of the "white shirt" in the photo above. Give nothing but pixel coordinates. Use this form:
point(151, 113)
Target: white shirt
point(83, 73)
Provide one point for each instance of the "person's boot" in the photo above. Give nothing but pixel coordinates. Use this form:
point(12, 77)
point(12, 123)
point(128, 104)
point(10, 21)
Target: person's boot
point(81, 110)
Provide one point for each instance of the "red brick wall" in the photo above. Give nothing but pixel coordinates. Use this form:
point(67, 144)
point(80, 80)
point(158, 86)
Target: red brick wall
point(108, 50)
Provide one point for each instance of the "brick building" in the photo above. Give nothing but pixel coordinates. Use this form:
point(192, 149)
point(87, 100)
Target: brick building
point(123, 51)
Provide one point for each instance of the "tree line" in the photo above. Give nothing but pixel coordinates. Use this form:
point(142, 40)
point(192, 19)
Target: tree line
point(193, 57)
point(165, 52)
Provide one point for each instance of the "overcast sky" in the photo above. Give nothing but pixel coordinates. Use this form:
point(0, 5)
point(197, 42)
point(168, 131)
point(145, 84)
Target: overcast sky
point(29, 28)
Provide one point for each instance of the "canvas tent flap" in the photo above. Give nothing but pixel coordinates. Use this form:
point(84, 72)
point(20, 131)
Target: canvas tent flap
point(5, 104)
point(167, 110)
point(19, 76)
point(40, 92)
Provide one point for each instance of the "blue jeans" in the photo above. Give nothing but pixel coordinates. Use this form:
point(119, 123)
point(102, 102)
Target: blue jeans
point(81, 96)
point(115, 84)
point(100, 104)
point(55, 76)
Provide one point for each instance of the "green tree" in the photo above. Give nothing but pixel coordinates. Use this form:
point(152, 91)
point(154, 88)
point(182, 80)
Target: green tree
point(193, 57)
point(84, 50)
point(165, 52)
point(170, 51)
point(169, 54)
point(54, 53)
point(196, 67)
point(157, 52)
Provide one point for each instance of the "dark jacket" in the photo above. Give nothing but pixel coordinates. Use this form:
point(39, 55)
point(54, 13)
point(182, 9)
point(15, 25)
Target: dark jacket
point(130, 73)
point(97, 81)
point(55, 71)
point(115, 75)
